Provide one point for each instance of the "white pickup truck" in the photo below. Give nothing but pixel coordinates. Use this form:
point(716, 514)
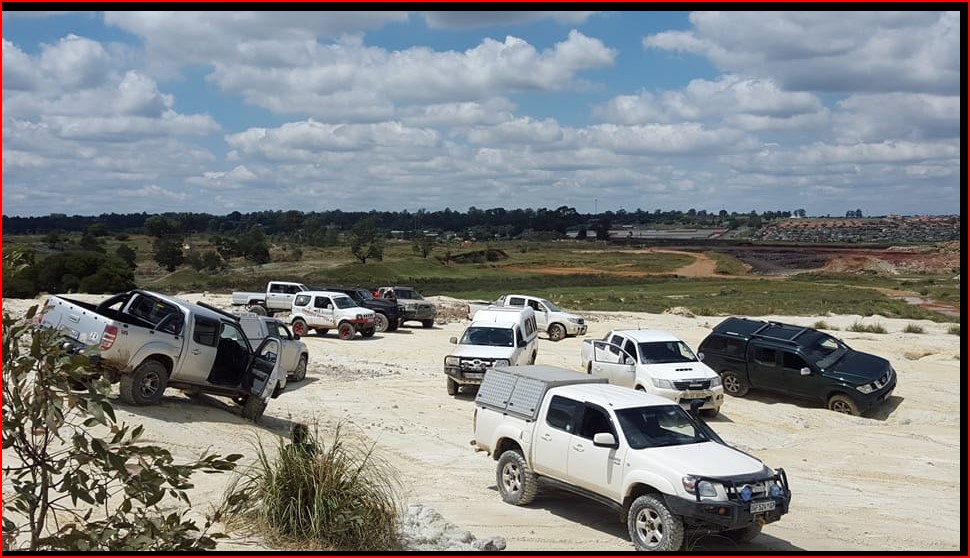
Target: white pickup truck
point(654, 361)
point(497, 337)
point(664, 469)
point(277, 298)
point(557, 323)
point(147, 342)
point(294, 356)
point(326, 310)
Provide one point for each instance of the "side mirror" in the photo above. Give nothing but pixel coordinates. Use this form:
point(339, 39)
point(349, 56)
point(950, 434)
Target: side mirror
point(628, 360)
point(806, 371)
point(453, 340)
point(605, 440)
point(296, 336)
point(700, 356)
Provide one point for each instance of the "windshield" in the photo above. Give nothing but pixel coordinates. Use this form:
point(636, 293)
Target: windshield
point(552, 307)
point(364, 294)
point(409, 294)
point(665, 352)
point(491, 336)
point(343, 302)
point(822, 349)
point(654, 427)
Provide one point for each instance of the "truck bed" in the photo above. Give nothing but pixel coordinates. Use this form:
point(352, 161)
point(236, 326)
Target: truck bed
point(519, 390)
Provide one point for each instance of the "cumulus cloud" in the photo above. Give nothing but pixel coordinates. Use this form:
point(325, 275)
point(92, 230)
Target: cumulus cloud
point(898, 116)
point(473, 19)
point(872, 51)
point(348, 81)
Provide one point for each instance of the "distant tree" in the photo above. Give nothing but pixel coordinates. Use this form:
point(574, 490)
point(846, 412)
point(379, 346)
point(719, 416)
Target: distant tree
point(423, 244)
point(253, 246)
point(86, 271)
point(90, 242)
point(366, 240)
point(97, 229)
point(603, 229)
point(168, 252)
point(55, 240)
point(800, 212)
point(581, 235)
point(127, 255)
point(159, 226)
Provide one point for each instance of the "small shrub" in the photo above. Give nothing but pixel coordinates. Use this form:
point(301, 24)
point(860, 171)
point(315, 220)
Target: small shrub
point(913, 328)
point(822, 324)
point(867, 328)
point(954, 329)
point(310, 495)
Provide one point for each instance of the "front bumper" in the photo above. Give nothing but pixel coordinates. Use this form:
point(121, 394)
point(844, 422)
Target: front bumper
point(735, 513)
point(575, 329)
point(728, 514)
point(465, 376)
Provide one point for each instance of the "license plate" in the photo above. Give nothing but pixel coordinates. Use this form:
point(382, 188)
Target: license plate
point(758, 507)
point(478, 376)
point(695, 395)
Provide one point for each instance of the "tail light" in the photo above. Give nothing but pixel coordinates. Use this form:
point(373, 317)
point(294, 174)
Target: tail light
point(108, 337)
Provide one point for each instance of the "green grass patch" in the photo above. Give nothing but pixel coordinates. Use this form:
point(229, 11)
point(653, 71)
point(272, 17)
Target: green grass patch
point(867, 328)
point(913, 328)
point(822, 324)
point(727, 264)
point(311, 494)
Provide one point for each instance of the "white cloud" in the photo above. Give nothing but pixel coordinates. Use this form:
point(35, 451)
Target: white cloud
point(871, 51)
point(473, 19)
point(898, 116)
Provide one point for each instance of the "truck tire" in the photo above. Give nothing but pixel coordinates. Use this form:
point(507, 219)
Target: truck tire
point(516, 482)
point(368, 331)
point(841, 403)
point(743, 535)
point(557, 332)
point(145, 385)
point(734, 384)
point(427, 323)
point(532, 359)
point(300, 373)
point(299, 327)
point(652, 527)
point(452, 386)
point(257, 309)
point(252, 408)
point(345, 331)
point(381, 324)
point(392, 325)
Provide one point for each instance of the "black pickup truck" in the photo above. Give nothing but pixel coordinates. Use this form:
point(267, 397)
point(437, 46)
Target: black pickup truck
point(389, 313)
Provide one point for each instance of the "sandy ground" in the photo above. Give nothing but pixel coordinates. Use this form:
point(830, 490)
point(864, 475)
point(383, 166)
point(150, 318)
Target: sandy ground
point(887, 482)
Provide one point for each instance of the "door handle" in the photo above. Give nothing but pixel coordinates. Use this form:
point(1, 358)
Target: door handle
point(579, 448)
point(546, 437)
point(196, 352)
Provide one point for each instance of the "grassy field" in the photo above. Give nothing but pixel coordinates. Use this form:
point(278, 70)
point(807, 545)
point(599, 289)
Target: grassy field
point(579, 276)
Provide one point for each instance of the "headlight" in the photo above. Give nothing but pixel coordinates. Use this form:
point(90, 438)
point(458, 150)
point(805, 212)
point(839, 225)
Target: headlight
point(704, 487)
point(360, 316)
point(451, 361)
point(501, 362)
point(661, 383)
point(865, 388)
point(576, 321)
point(715, 381)
point(774, 491)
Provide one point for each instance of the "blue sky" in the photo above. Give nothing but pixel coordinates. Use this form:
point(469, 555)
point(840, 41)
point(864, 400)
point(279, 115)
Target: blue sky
point(242, 111)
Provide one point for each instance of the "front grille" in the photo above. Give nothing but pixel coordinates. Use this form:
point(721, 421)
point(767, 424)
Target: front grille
point(758, 490)
point(475, 363)
point(698, 384)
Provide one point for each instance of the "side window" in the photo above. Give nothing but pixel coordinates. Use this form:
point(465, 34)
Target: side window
point(273, 329)
point(321, 302)
point(595, 420)
point(630, 348)
point(734, 346)
point(516, 301)
point(562, 413)
point(793, 361)
point(519, 340)
point(301, 300)
point(277, 288)
point(205, 331)
point(763, 356)
point(530, 326)
point(534, 305)
point(292, 289)
point(232, 334)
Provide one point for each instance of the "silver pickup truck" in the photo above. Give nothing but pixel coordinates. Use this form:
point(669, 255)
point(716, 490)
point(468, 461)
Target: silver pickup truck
point(147, 342)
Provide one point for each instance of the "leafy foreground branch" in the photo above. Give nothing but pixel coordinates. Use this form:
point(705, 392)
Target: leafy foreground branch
point(313, 496)
point(75, 478)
